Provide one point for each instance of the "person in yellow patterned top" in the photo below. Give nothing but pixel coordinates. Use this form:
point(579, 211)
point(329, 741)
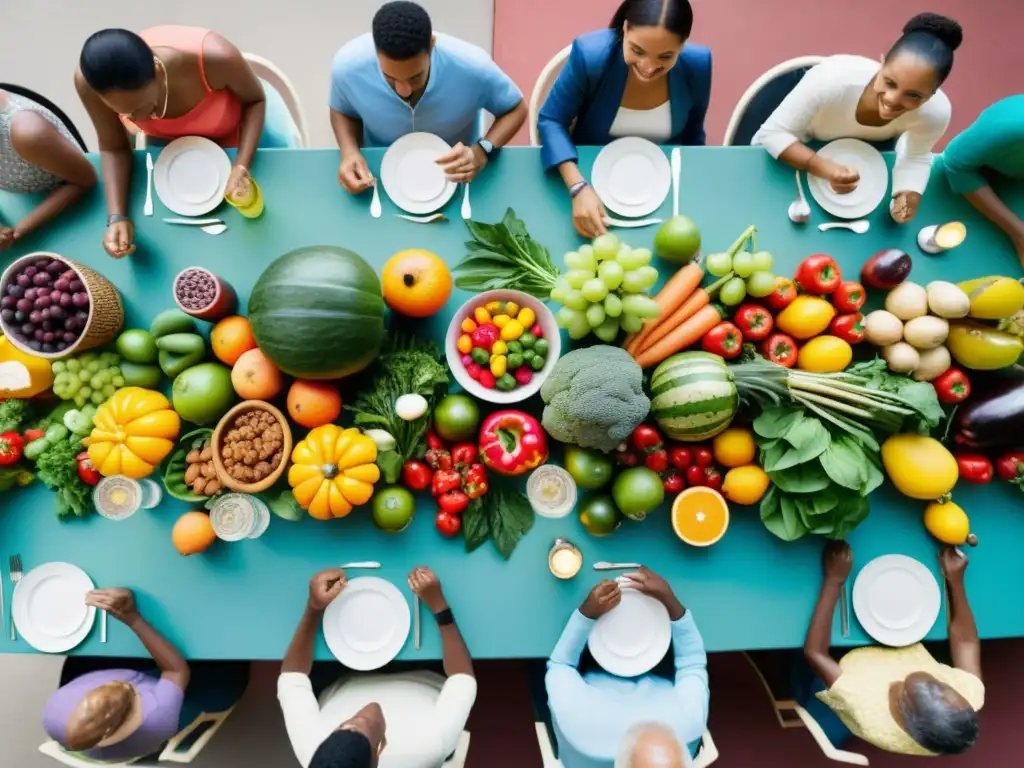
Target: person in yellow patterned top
point(901, 699)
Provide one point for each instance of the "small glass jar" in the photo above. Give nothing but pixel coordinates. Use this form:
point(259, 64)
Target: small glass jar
point(118, 497)
point(237, 516)
point(565, 559)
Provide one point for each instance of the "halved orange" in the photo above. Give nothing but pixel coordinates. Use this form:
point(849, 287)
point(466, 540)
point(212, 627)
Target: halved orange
point(700, 516)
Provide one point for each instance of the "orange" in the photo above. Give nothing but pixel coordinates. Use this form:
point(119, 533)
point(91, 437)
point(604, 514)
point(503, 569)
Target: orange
point(700, 516)
point(313, 403)
point(416, 283)
point(231, 338)
point(193, 533)
point(254, 377)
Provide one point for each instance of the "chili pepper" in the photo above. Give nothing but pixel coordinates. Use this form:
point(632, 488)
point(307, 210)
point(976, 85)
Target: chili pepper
point(87, 473)
point(445, 480)
point(849, 328)
point(485, 335)
point(724, 339)
point(695, 475)
point(464, 454)
point(447, 524)
point(713, 478)
point(953, 386)
point(703, 456)
point(780, 349)
point(627, 458)
point(11, 445)
point(433, 441)
point(453, 502)
point(673, 482)
point(438, 458)
point(783, 295)
point(474, 481)
point(645, 438)
point(974, 467)
point(849, 296)
point(657, 461)
point(680, 457)
point(34, 434)
point(512, 442)
point(416, 475)
point(754, 321)
point(1010, 467)
point(818, 274)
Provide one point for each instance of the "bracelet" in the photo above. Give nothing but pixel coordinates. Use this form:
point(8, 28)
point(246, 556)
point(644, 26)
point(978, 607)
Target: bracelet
point(578, 187)
point(114, 218)
point(444, 618)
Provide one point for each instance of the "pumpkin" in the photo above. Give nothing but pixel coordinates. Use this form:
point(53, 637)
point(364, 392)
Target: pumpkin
point(318, 313)
point(333, 470)
point(134, 431)
point(22, 375)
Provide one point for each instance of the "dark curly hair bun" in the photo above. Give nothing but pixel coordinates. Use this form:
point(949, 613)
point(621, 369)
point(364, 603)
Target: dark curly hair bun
point(936, 25)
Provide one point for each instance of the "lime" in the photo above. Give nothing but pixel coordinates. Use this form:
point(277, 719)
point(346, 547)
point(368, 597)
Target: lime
point(599, 515)
point(637, 492)
point(393, 508)
point(456, 418)
point(137, 346)
point(145, 376)
point(678, 240)
point(590, 469)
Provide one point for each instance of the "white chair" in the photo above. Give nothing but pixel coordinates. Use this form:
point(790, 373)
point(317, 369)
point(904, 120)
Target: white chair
point(458, 760)
point(706, 756)
point(171, 753)
point(271, 73)
point(541, 89)
point(747, 99)
point(791, 715)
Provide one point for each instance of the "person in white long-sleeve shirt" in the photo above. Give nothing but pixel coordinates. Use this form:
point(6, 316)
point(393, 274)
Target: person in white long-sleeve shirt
point(599, 718)
point(856, 97)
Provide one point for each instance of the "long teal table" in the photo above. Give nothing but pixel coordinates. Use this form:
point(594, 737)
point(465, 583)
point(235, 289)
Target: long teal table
point(243, 600)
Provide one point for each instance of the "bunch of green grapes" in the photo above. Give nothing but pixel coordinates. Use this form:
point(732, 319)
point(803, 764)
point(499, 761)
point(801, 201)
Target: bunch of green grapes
point(752, 272)
point(88, 378)
point(605, 288)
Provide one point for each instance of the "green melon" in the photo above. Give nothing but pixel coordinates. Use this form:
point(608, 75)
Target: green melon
point(318, 313)
point(693, 396)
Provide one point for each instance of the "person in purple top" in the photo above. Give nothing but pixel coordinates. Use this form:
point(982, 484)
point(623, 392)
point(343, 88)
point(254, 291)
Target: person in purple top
point(118, 715)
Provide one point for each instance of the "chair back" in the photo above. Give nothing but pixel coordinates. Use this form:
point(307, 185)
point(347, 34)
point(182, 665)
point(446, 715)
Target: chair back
point(270, 73)
point(45, 102)
point(541, 89)
point(762, 98)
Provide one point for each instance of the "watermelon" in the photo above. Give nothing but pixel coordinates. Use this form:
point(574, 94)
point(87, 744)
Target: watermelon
point(318, 313)
point(693, 396)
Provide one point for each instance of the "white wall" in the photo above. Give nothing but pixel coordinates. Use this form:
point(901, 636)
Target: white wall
point(40, 40)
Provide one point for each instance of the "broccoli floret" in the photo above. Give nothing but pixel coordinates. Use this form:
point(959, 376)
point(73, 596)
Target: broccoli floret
point(594, 398)
point(14, 414)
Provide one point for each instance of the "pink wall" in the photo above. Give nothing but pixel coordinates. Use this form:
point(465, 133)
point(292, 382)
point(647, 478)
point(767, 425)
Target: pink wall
point(748, 37)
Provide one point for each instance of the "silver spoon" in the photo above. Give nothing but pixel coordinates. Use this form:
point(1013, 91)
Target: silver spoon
point(630, 223)
point(860, 227)
point(209, 226)
point(375, 209)
point(467, 211)
point(604, 565)
point(424, 219)
point(799, 210)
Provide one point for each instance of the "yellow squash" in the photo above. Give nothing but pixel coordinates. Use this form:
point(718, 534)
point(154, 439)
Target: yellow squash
point(982, 348)
point(135, 430)
point(919, 466)
point(993, 298)
point(333, 470)
point(948, 523)
point(807, 316)
point(22, 375)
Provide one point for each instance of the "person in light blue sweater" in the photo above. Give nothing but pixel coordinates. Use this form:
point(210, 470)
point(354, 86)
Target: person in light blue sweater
point(595, 712)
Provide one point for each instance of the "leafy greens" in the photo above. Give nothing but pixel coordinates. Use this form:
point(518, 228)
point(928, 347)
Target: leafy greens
point(503, 255)
point(503, 515)
point(57, 468)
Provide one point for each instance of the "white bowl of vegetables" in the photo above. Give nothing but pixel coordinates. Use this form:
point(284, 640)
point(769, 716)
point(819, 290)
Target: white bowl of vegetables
point(532, 351)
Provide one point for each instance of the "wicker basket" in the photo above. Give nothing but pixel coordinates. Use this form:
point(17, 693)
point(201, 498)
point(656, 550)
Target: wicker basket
point(106, 311)
point(218, 439)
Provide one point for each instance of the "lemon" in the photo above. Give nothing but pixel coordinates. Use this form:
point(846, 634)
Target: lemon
point(734, 447)
point(824, 354)
point(948, 523)
point(746, 485)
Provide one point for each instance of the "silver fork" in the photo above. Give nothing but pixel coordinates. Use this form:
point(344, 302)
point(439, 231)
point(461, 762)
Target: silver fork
point(15, 576)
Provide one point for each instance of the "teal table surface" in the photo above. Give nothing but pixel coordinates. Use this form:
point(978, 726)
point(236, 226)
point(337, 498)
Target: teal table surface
point(748, 591)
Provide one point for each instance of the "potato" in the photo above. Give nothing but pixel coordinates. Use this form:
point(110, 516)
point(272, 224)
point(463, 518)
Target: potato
point(882, 328)
point(933, 363)
point(926, 332)
point(907, 301)
point(947, 300)
point(901, 357)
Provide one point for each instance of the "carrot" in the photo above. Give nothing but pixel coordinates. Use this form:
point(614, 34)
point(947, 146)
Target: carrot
point(679, 338)
point(700, 298)
point(676, 291)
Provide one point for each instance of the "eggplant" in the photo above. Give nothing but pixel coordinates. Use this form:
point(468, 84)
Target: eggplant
point(886, 269)
point(993, 416)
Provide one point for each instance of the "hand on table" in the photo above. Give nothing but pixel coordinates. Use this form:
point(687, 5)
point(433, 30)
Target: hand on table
point(651, 584)
point(119, 240)
point(238, 183)
point(953, 564)
point(118, 602)
point(588, 213)
point(424, 584)
point(843, 178)
point(461, 164)
point(325, 587)
point(904, 206)
point(602, 598)
point(354, 174)
point(837, 561)
point(6, 237)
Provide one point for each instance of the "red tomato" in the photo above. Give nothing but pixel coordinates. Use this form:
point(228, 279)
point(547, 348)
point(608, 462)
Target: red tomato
point(754, 321)
point(780, 349)
point(680, 457)
point(695, 475)
point(713, 478)
point(848, 327)
point(783, 295)
point(849, 297)
point(818, 274)
point(724, 339)
point(657, 461)
point(416, 475)
point(673, 482)
point(974, 467)
point(645, 438)
point(703, 456)
point(447, 523)
point(1010, 467)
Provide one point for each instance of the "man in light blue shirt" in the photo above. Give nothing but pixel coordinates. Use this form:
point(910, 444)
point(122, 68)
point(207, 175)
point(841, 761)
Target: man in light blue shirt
point(593, 713)
point(403, 78)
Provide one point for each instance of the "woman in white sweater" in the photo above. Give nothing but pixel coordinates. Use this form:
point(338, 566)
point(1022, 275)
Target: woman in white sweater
point(856, 97)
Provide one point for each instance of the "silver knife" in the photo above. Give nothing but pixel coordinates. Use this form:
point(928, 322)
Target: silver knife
point(148, 210)
point(194, 222)
point(844, 612)
point(630, 223)
point(365, 565)
point(604, 565)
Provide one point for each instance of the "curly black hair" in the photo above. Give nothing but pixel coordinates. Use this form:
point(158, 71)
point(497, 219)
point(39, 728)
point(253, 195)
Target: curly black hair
point(401, 30)
point(933, 38)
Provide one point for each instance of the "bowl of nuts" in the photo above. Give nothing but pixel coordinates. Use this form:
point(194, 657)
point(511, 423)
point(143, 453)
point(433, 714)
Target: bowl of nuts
point(251, 446)
point(190, 474)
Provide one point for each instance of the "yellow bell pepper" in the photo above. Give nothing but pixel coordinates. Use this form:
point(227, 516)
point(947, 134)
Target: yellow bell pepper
point(333, 470)
point(134, 431)
point(22, 375)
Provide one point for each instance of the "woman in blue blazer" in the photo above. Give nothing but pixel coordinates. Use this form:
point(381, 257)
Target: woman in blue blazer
point(635, 78)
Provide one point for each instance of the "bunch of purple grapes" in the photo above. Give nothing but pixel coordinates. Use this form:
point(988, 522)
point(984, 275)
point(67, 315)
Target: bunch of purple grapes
point(45, 306)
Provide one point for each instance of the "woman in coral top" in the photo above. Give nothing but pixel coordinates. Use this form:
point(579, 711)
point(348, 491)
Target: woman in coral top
point(168, 82)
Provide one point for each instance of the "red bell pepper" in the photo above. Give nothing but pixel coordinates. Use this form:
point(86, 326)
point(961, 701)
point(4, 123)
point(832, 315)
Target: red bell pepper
point(818, 274)
point(34, 434)
point(974, 467)
point(849, 328)
point(724, 339)
point(783, 295)
point(11, 445)
point(780, 349)
point(754, 321)
point(474, 481)
point(849, 297)
point(953, 386)
point(87, 473)
point(445, 480)
point(512, 442)
point(1010, 467)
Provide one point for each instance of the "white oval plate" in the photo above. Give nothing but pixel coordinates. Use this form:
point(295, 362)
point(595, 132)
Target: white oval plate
point(869, 193)
point(632, 176)
point(411, 176)
point(367, 625)
point(896, 599)
point(190, 175)
point(631, 639)
point(49, 607)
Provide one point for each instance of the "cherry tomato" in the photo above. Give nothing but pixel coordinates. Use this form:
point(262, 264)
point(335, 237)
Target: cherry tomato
point(627, 458)
point(695, 475)
point(703, 456)
point(657, 461)
point(447, 523)
point(713, 478)
point(680, 457)
point(673, 482)
point(645, 438)
point(416, 475)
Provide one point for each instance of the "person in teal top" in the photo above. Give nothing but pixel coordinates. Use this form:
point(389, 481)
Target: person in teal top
point(992, 145)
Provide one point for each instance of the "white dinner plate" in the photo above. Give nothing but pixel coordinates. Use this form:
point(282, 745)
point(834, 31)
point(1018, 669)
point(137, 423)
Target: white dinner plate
point(49, 607)
point(632, 177)
point(896, 599)
point(874, 179)
point(411, 176)
point(632, 638)
point(190, 175)
point(367, 625)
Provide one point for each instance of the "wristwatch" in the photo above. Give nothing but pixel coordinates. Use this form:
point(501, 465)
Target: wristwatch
point(114, 218)
point(578, 187)
point(488, 147)
point(444, 618)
